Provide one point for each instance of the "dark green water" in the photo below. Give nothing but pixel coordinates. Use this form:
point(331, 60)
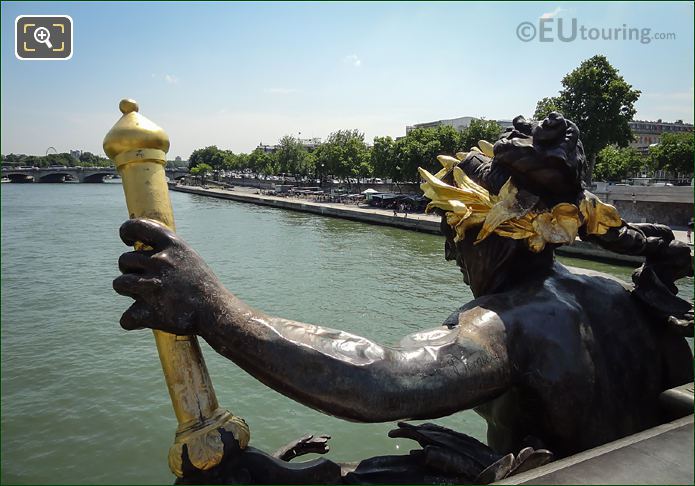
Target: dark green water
point(85, 402)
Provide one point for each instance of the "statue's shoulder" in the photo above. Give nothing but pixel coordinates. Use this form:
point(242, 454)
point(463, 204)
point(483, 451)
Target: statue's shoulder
point(560, 297)
point(474, 313)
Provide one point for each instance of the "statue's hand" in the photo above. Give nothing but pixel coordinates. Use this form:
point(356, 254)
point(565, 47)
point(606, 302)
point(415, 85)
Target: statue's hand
point(174, 290)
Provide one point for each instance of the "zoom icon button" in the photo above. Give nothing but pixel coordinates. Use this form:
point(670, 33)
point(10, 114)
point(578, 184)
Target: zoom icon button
point(43, 37)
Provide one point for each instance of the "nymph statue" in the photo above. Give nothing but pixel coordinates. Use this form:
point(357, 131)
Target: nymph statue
point(554, 360)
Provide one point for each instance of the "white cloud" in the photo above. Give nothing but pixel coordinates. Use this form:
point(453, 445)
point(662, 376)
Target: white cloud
point(353, 60)
point(554, 13)
point(171, 79)
point(280, 91)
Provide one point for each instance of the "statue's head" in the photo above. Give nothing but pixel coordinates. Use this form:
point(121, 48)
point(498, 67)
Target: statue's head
point(509, 205)
point(543, 158)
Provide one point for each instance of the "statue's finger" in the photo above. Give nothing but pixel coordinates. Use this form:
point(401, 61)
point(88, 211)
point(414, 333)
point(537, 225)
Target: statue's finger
point(135, 261)
point(136, 286)
point(147, 231)
point(137, 316)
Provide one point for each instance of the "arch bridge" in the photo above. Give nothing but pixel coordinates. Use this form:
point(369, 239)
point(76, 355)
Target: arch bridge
point(66, 174)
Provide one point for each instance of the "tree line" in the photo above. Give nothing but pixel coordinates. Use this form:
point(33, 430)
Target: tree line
point(674, 154)
point(86, 159)
point(345, 154)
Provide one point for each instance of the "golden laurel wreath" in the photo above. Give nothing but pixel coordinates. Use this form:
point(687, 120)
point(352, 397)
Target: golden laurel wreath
point(467, 204)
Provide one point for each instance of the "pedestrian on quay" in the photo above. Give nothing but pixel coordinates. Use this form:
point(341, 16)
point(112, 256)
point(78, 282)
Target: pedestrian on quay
point(691, 223)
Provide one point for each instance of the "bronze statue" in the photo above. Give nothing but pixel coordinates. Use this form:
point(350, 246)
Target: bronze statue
point(554, 360)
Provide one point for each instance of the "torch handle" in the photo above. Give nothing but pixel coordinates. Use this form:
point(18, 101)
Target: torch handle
point(190, 388)
point(187, 378)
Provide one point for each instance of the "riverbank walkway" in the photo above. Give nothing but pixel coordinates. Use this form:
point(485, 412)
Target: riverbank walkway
point(427, 223)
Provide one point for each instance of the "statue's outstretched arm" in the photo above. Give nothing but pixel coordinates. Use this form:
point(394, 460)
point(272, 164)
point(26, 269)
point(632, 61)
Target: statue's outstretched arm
point(431, 374)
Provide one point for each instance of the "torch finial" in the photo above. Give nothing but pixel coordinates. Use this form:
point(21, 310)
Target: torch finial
point(134, 132)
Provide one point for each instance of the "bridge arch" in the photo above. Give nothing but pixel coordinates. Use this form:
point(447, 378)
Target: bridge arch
point(19, 177)
point(95, 177)
point(57, 177)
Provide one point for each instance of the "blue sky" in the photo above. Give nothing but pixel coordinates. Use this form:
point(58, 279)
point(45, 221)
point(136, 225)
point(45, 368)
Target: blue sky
point(236, 74)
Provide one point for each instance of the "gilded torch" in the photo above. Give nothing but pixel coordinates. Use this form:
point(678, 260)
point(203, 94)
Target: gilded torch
point(138, 147)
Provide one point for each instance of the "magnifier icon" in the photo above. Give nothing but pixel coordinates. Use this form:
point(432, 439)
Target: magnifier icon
point(43, 36)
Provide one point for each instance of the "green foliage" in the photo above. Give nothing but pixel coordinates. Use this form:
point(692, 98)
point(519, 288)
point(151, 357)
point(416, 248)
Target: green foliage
point(674, 153)
point(87, 159)
point(262, 162)
point(176, 164)
point(546, 106)
point(293, 158)
point(615, 163)
point(419, 149)
point(479, 129)
point(201, 170)
point(212, 156)
point(384, 160)
point(343, 154)
point(57, 159)
point(599, 101)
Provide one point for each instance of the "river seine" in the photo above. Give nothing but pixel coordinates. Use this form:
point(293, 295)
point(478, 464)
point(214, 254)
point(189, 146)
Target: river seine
point(85, 402)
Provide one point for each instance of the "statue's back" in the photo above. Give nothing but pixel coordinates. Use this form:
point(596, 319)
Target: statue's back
point(589, 364)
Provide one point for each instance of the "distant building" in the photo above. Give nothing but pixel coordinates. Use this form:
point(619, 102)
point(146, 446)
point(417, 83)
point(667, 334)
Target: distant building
point(648, 133)
point(266, 148)
point(307, 143)
point(76, 154)
point(177, 159)
point(459, 124)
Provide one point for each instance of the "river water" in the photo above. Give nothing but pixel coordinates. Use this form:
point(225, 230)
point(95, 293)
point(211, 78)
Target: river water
point(85, 402)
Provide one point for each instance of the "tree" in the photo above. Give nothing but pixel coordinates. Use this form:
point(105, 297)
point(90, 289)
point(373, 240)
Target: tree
point(201, 170)
point(383, 158)
point(88, 159)
point(293, 157)
point(262, 162)
point(13, 159)
point(229, 160)
point(546, 106)
point(674, 153)
point(212, 156)
point(57, 159)
point(599, 101)
point(615, 163)
point(343, 154)
point(420, 148)
point(241, 162)
point(479, 129)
